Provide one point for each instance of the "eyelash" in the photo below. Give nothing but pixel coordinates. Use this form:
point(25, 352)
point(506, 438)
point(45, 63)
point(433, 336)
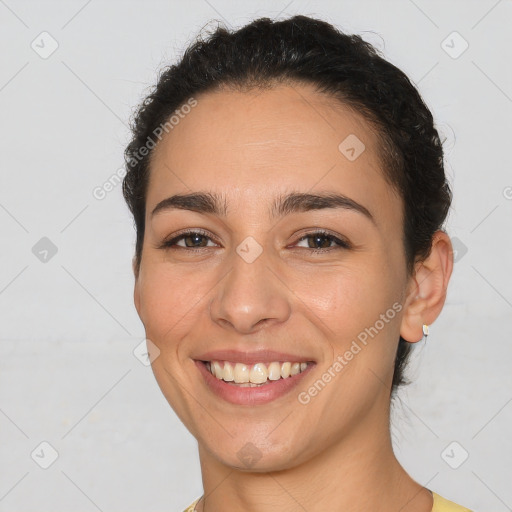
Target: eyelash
point(342, 244)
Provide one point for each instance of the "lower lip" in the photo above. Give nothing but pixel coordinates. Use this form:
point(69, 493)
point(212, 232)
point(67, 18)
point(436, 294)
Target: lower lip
point(273, 390)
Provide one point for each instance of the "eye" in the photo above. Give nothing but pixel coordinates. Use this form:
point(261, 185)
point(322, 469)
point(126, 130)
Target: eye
point(317, 241)
point(197, 239)
point(323, 239)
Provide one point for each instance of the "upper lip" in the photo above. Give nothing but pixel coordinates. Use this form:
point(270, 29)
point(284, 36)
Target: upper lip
point(257, 356)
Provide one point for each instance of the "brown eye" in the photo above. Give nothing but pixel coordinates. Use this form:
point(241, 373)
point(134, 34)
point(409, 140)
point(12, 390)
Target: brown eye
point(187, 240)
point(194, 240)
point(321, 241)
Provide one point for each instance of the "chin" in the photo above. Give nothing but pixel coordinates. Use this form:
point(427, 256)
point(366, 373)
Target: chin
point(251, 456)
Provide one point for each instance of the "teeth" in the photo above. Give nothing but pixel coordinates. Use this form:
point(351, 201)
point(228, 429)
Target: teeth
point(249, 376)
point(258, 374)
point(274, 371)
point(217, 370)
point(295, 369)
point(228, 374)
point(241, 373)
point(285, 370)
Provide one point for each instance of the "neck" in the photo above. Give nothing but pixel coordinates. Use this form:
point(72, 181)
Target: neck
point(359, 472)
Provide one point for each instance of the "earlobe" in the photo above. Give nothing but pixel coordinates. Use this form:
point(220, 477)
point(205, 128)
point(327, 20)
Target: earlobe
point(427, 289)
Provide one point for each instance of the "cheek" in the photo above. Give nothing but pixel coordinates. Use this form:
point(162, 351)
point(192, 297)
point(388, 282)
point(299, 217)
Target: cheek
point(344, 299)
point(170, 298)
point(355, 305)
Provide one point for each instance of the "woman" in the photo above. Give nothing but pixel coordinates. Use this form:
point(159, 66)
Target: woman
point(288, 192)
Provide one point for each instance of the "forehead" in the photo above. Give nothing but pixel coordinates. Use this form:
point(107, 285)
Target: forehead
point(254, 145)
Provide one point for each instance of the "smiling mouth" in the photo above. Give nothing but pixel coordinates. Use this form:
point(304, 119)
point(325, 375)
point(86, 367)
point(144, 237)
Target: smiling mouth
point(259, 374)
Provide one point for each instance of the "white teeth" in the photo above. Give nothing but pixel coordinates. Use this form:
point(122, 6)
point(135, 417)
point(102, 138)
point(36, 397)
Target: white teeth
point(241, 373)
point(274, 371)
point(228, 375)
point(217, 370)
point(257, 374)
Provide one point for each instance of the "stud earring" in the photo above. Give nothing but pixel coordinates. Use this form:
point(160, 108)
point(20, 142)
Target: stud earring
point(425, 330)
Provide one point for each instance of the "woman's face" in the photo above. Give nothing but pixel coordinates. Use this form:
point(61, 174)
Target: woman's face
point(258, 284)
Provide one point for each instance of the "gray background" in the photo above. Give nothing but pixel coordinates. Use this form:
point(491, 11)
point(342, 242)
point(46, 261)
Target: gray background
point(68, 375)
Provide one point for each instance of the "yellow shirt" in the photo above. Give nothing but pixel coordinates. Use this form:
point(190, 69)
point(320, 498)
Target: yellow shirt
point(440, 505)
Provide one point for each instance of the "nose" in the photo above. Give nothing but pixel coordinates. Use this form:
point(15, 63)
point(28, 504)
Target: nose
point(250, 297)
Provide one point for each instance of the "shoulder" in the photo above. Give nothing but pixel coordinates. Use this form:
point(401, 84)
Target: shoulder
point(443, 505)
point(191, 507)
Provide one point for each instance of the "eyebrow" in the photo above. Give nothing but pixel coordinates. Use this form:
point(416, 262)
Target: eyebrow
point(216, 204)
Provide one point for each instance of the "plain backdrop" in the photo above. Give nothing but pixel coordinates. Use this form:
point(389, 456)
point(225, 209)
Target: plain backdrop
point(71, 74)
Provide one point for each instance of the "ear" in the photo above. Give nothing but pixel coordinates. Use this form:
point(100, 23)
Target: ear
point(426, 291)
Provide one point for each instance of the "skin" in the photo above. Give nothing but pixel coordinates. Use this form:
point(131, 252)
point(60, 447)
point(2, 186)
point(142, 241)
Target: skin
point(334, 453)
